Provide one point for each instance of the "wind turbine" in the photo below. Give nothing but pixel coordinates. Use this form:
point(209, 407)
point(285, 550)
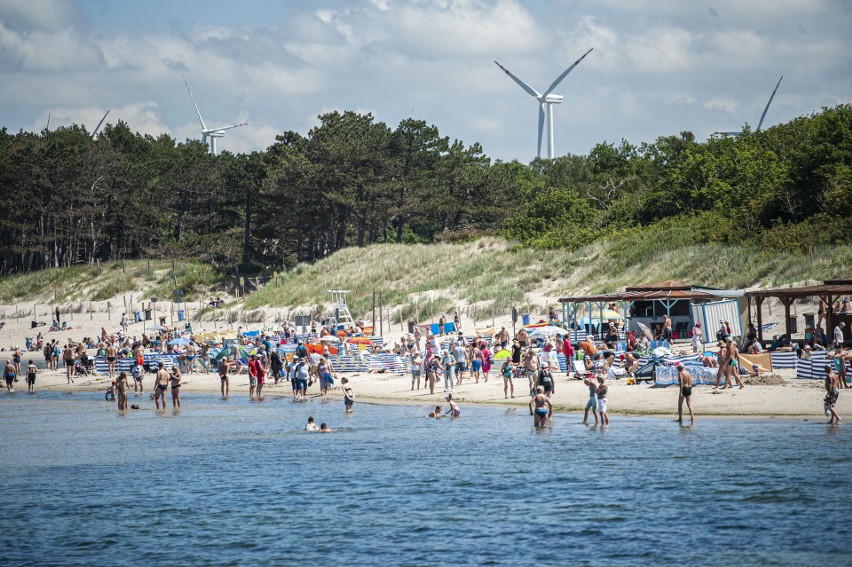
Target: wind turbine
point(206, 132)
point(98, 127)
point(546, 100)
point(762, 116)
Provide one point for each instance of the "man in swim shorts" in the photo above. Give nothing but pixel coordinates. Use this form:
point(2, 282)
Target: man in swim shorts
point(161, 384)
point(9, 375)
point(684, 380)
point(602, 392)
point(592, 404)
point(832, 389)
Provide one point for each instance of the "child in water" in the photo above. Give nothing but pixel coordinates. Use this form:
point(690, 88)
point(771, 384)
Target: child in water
point(436, 413)
point(109, 395)
point(454, 410)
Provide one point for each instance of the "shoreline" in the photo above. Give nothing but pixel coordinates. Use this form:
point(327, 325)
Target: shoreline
point(793, 399)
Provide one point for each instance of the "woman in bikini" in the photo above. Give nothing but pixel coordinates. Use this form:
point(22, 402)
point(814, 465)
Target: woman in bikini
point(543, 408)
point(121, 389)
point(174, 382)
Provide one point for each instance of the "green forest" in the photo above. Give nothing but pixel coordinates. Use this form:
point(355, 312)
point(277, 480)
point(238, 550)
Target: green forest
point(69, 199)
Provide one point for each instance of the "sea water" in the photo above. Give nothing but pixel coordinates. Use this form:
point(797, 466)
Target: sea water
point(238, 482)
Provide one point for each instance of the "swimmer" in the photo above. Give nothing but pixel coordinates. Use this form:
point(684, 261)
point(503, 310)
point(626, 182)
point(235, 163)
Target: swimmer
point(455, 410)
point(324, 428)
point(543, 407)
point(436, 413)
point(311, 426)
point(684, 380)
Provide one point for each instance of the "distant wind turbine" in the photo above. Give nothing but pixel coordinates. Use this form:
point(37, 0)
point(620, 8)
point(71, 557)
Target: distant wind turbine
point(206, 132)
point(762, 116)
point(98, 127)
point(546, 100)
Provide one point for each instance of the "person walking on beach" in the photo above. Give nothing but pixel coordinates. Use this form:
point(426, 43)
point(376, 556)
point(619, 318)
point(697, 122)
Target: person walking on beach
point(448, 361)
point(545, 380)
point(602, 392)
point(31, 376)
point(121, 391)
point(303, 374)
point(508, 370)
point(832, 389)
point(502, 337)
point(531, 368)
point(441, 322)
point(684, 380)
point(476, 362)
point(416, 370)
point(174, 382)
point(460, 356)
point(68, 358)
point(732, 363)
point(432, 370)
point(348, 395)
point(592, 404)
point(47, 351)
point(543, 408)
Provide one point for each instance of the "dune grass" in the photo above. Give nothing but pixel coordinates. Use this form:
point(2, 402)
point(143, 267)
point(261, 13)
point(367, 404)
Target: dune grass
point(422, 281)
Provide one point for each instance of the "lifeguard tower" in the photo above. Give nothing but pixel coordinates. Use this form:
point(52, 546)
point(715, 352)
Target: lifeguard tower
point(342, 318)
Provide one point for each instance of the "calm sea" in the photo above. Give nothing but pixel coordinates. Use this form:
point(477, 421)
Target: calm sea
point(235, 483)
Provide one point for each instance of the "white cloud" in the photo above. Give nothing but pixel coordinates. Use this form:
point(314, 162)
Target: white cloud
point(722, 103)
point(38, 15)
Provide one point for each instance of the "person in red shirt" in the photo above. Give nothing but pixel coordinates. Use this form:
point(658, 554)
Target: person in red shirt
point(568, 351)
point(255, 369)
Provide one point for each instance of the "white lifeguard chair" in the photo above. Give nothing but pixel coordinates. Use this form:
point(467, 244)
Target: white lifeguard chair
point(342, 317)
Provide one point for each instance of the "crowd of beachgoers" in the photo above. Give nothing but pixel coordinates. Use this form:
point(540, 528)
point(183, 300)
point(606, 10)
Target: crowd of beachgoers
point(527, 359)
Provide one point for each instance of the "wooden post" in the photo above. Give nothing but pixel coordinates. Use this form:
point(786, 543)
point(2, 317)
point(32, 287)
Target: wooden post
point(381, 328)
point(759, 306)
point(16, 312)
point(172, 308)
point(786, 301)
point(125, 301)
point(374, 312)
point(109, 311)
point(90, 311)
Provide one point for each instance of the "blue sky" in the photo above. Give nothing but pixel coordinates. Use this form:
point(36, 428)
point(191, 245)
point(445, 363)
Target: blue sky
point(658, 66)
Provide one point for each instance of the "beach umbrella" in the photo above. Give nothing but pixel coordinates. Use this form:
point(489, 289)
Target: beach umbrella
point(610, 314)
point(500, 355)
point(546, 332)
point(646, 331)
point(180, 341)
point(155, 328)
point(360, 341)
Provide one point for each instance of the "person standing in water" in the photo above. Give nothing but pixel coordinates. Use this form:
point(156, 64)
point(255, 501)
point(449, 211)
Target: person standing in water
point(684, 380)
point(592, 404)
point(454, 410)
point(832, 389)
point(348, 395)
point(31, 376)
point(602, 392)
point(161, 384)
point(174, 381)
point(543, 408)
point(9, 375)
point(121, 387)
point(224, 368)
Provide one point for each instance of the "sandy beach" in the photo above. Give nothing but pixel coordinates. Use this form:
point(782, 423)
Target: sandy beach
point(792, 397)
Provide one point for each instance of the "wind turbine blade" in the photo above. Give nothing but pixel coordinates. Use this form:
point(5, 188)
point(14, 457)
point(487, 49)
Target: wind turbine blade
point(540, 125)
point(203, 127)
point(765, 110)
point(564, 74)
point(229, 127)
point(98, 127)
point(522, 84)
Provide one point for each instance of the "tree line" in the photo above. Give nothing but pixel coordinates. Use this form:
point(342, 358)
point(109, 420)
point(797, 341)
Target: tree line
point(68, 199)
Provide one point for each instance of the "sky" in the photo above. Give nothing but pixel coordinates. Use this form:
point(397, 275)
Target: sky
point(659, 67)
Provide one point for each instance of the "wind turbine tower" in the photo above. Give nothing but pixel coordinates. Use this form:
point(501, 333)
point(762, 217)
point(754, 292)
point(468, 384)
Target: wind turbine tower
point(211, 133)
point(546, 100)
point(762, 116)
